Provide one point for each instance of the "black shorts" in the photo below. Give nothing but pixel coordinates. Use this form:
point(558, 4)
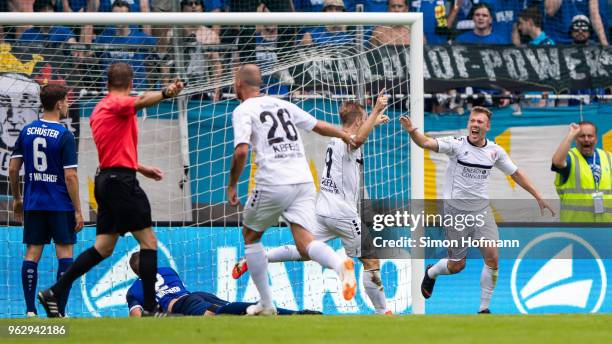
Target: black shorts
point(122, 204)
point(40, 226)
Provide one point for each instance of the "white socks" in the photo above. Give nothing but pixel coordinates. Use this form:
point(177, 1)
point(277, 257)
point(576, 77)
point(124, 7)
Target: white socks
point(258, 268)
point(488, 280)
point(440, 268)
point(324, 255)
point(374, 288)
point(283, 254)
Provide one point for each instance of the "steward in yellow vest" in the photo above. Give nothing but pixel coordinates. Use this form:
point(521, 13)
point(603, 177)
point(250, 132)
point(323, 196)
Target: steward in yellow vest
point(584, 176)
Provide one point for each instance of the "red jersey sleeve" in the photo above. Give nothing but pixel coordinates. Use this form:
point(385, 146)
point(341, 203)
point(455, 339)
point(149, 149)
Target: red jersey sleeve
point(124, 106)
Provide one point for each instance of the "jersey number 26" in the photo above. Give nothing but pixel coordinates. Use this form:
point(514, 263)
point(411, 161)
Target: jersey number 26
point(290, 130)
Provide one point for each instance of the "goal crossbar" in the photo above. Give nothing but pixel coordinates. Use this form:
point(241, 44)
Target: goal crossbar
point(232, 18)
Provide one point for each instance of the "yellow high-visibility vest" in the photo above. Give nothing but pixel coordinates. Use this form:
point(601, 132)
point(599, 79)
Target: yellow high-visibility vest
point(576, 193)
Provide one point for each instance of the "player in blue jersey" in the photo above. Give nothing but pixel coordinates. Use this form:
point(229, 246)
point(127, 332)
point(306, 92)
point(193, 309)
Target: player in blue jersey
point(173, 298)
point(50, 207)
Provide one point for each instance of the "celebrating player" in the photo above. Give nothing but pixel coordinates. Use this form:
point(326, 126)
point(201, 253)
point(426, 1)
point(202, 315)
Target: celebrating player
point(174, 298)
point(52, 206)
point(336, 206)
point(467, 178)
point(122, 205)
point(284, 184)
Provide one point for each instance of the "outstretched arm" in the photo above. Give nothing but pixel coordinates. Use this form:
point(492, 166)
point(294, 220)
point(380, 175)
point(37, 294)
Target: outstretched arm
point(325, 129)
point(376, 117)
point(238, 161)
point(418, 138)
point(559, 158)
point(521, 179)
point(151, 98)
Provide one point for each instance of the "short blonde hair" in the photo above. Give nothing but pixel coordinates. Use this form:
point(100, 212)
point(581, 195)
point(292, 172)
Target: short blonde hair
point(483, 110)
point(350, 112)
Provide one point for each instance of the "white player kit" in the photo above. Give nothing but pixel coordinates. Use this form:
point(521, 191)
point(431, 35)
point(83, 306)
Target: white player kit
point(284, 184)
point(466, 183)
point(336, 207)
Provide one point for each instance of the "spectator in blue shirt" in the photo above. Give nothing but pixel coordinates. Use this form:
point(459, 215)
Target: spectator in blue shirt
point(133, 5)
point(530, 24)
point(314, 5)
point(74, 5)
point(369, 5)
point(138, 48)
point(47, 34)
point(504, 13)
point(436, 23)
point(483, 28)
point(558, 16)
point(330, 34)
point(483, 33)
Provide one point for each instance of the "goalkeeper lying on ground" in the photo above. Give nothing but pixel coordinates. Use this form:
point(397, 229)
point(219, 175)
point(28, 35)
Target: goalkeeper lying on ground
point(173, 298)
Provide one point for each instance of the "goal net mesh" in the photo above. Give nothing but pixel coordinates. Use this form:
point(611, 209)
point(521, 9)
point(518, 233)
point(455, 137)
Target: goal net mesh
point(191, 139)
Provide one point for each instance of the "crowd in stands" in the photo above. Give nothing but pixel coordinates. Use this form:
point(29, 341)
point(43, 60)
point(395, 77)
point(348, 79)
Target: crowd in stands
point(492, 22)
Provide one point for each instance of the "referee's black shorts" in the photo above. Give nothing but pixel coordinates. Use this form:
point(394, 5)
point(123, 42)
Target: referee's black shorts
point(122, 204)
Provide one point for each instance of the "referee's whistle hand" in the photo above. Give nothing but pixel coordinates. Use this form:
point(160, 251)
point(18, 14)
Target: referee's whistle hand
point(175, 87)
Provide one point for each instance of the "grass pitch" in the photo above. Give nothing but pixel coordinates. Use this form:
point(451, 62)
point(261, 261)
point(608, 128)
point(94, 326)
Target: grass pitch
point(447, 329)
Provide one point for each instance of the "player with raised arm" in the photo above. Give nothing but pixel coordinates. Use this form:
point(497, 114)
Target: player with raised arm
point(174, 299)
point(336, 206)
point(284, 184)
point(52, 208)
point(471, 159)
point(122, 204)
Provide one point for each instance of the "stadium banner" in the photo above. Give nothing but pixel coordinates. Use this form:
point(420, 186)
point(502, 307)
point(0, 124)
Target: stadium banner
point(556, 270)
point(556, 68)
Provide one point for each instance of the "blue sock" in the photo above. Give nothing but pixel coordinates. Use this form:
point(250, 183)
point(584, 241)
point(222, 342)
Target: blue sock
point(62, 265)
point(29, 278)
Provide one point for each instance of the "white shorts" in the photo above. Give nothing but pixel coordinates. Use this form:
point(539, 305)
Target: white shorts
point(348, 230)
point(294, 202)
point(487, 230)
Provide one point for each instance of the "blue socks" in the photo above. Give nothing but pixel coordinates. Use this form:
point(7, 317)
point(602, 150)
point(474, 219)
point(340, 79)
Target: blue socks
point(29, 278)
point(62, 265)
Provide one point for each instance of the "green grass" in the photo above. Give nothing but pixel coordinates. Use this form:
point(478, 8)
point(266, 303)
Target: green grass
point(447, 329)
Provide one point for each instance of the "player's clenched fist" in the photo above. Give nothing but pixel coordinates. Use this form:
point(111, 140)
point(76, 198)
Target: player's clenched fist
point(173, 89)
point(232, 196)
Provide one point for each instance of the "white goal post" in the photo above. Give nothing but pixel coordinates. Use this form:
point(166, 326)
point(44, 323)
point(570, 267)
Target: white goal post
point(416, 68)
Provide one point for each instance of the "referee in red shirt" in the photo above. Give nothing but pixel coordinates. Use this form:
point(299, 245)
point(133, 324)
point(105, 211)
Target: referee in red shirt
point(122, 205)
